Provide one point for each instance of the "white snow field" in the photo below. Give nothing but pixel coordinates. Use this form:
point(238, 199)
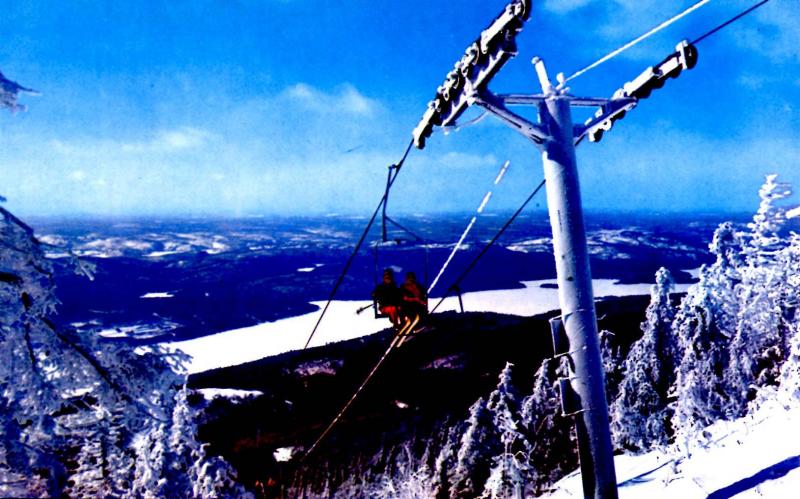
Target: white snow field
point(756, 456)
point(340, 323)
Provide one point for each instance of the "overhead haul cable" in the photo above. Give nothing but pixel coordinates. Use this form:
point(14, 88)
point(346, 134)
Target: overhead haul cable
point(730, 21)
point(395, 341)
point(474, 262)
point(398, 337)
point(346, 268)
point(483, 204)
point(664, 25)
point(631, 43)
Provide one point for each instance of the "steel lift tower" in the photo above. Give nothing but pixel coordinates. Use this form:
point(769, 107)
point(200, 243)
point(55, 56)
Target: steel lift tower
point(575, 333)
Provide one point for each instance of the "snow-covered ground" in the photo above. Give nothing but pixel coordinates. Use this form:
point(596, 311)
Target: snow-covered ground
point(228, 393)
point(756, 456)
point(341, 322)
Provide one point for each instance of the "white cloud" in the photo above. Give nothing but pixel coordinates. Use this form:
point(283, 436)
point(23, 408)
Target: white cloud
point(179, 139)
point(82, 177)
point(752, 81)
point(347, 99)
point(77, 175)
point(564, 6)
point(184, 138)
point(171, 141)
point(465, 160)
point(64, 148)
point(354, 102)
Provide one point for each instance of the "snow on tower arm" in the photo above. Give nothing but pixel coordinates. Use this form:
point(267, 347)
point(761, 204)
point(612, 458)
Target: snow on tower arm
point(481, 61)
point(626, 98)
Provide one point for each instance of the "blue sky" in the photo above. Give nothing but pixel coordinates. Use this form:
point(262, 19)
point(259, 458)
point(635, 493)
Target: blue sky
point(297, 106)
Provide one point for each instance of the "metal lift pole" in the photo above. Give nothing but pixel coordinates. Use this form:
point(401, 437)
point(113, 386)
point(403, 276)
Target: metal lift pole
point(575, 292)
point(555, 135)
point(583, 393)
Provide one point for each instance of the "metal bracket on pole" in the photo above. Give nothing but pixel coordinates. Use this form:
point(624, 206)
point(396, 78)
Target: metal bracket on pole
point(559, 335)
point(495, 105)
point(536, 99)
point(570, 400)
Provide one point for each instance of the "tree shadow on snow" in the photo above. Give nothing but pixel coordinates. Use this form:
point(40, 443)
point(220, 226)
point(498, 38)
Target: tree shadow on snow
point(777, 470)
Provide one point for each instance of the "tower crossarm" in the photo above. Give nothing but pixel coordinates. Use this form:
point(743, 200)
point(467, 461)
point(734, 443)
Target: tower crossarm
point(641, 87)
point(496, 105)
point(602, 121)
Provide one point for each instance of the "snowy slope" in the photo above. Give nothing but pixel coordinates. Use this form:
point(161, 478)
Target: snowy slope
point(242, 345)
point(756, 456)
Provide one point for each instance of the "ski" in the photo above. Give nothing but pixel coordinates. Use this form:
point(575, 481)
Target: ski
point(409, 330)
point(398, 337)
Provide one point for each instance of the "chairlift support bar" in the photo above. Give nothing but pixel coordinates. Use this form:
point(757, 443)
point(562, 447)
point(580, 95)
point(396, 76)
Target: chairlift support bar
point(536, 99)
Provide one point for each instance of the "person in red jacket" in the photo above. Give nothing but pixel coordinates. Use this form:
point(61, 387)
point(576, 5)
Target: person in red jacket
point(388, 297)
point(415, 299)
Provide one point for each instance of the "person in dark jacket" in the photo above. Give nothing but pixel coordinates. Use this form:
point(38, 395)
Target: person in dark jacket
point(388, 296)
point(415, 299)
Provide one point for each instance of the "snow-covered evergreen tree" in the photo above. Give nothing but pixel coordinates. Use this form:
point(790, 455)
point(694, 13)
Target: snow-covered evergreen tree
point(445, 463)
point(789, 391)
point(759, 346)
point(508, 475)
point(704, 324)
point(736, 323)
point(763, 239)
point(640, 413)
point(479, 445)
point(700, 389)
point(613, 363)
point(789, 379)
point(408, 477)
point(722, 278)
point(507, 478)
point(74, 408)
point(554, 452)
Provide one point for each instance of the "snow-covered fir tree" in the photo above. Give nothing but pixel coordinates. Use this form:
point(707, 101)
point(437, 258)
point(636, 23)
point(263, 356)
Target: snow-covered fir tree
point(704, 324)
point(479, 445)
point(80, 416)
point(724, 276)
point(641, 412)
point(553, 453)
point(507, 478)
point(508, 475)
point(763, 239)
point(788, 391)
point(759, 346)
point(700, 388)
point(613, 362)
point(409, 477)
point(735, 325)
point(445, 463)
